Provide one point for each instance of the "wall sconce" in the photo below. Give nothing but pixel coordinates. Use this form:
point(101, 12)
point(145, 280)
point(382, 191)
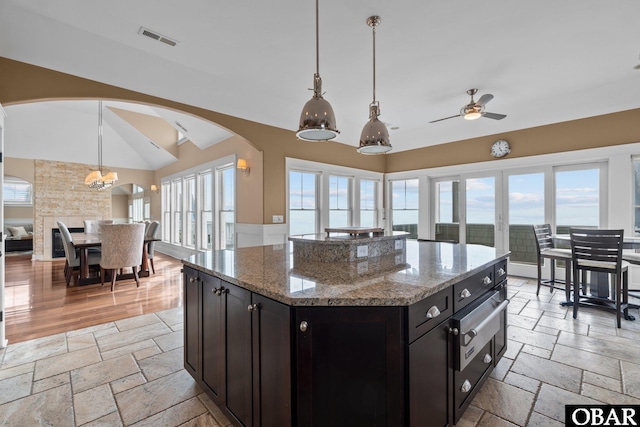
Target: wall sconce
point(154, 188)
point(242, 165)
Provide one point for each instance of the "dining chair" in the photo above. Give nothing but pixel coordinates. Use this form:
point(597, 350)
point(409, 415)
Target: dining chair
point(121, 248)
point(152, 233)
point(92, 226)
point(600, 251)
point(72, 255)
point(546, 249)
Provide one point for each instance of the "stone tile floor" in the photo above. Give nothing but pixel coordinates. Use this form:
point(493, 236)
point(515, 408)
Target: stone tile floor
point(130, 372)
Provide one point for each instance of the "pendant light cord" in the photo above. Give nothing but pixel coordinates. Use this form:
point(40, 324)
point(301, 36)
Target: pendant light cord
point(374, 63)
point(317, 40)
point(100, 136)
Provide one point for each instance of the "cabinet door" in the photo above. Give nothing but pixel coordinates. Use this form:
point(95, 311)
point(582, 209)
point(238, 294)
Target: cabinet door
point(428, 372)
point(350, 366)
point(191, 322)
point(213, 296)
point(238, 376)
point(271, 362)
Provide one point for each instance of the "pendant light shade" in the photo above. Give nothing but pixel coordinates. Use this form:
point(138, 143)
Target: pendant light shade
point(374, 138)
point(317, 120)
point(95, 179)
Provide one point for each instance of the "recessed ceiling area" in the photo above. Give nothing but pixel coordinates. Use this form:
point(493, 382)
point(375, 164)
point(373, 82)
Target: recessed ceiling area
point(544, 62)
point(134, 135)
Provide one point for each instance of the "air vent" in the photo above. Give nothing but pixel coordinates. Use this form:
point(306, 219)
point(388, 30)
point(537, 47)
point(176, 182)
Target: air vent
point(181, 127)
point(155, 36)
point(152, 143)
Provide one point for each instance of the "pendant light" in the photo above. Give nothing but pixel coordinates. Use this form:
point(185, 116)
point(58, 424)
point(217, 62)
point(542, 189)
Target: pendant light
point(96, 179)
point(317, 121)
point(374, 138)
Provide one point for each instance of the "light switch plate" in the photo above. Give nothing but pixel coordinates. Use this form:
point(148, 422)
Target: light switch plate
point(363, 250)
point(278, 219)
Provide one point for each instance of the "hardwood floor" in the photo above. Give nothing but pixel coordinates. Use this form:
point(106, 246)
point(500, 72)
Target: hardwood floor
point(39, 303)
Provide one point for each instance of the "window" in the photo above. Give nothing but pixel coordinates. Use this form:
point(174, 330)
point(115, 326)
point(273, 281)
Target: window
point(176, 208)
point(404, 206)
point(577, 201)
point(17, 191)
point(368, 203)
point(303, 203)
point(190, 207)
point(166, 211)
point(226, 178)
point(526, 208)
point(339, 201)
point(206, 212)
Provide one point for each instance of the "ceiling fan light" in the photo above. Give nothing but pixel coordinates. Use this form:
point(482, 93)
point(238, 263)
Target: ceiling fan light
point(472, 115)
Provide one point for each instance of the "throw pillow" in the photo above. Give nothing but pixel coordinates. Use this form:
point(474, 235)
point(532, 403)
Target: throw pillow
point(17, 231)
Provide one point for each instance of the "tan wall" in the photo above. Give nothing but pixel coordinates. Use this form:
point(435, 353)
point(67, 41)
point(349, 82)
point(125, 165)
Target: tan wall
point(119, 206)
point(18, 212)
point(26, 83)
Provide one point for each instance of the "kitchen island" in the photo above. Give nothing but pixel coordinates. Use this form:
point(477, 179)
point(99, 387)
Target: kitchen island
point(275, 342)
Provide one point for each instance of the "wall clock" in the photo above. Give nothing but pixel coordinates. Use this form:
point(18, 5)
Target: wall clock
point(500, 148)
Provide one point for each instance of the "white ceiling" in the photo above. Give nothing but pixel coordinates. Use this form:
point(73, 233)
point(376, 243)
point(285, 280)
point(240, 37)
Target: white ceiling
point(544, 61)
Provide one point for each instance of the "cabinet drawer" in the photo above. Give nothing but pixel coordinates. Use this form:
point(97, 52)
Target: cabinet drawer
point(501, 270)
point(469, 289)
point(465, 383)
point(426, 314)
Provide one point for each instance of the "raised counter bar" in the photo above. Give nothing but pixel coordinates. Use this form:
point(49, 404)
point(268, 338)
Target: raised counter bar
point(423, 269)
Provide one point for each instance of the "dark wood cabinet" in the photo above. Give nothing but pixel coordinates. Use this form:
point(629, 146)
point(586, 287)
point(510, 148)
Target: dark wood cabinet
point(191, 322)
point(212, 325)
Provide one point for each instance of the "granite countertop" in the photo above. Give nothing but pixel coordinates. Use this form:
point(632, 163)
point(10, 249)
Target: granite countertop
point(395, 280)
point(323, 238)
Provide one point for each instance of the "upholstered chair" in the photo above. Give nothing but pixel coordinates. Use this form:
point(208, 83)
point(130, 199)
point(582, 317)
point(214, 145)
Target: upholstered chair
point(92, 226)
point(71, 254)
point(152, 233)
point(121, 248)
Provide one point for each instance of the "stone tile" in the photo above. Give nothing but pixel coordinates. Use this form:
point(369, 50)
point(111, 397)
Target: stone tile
point(111, 420)
point(91, 329)
point(135, 404)
point(51, 382)
point(521, 321)
point(588, 361)
point(126, 383)
point(551, 401)
point(548, 371)
point(536, 351)
point(171, 317)
point(30, 351)
point(107, 331)
point(204, 420)
point(162, 364)
point(176, 415)
point(14, 388)
point(177, 327)
point(532, 313)
point(612, 336)
point(608, 396)
point(523, 382)
point(53, 405)
point(546, 330)
point(92, 404)
point(147, 352)
point(132, 336)
point(525, 336)
point(602, 381)
point(128, 349)
point(505, 401)
point(77, 342)
point(620, 350)
point(137, 322)
point(55, 365)
point(500, 371)
point(539, 420)
point(490, 420)
point(17, 370)
point(220, 418)
point(630, 378)
point(470, 417)
point(513, 348)
point(103, 372)
point(170, 341)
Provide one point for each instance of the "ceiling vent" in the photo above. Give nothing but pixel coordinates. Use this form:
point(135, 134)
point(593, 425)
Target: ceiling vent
point(181, 127)
point(155, 36)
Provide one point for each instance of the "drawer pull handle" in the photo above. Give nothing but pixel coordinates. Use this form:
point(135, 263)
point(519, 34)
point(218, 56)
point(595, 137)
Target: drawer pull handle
point(501, 272)
point(193, 279)
point(433, 312)
point(486, 280)
point(303, 326)
point(487, 358)
point(465, 293)
point(252, 307)
point(466, 386)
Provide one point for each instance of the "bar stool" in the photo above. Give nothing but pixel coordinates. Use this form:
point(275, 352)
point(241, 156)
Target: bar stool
point(547, 250)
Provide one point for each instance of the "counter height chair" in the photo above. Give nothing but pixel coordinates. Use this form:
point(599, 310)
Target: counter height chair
point(600, 251)
point(546, 250)
point(71, 254)
point(121, 248)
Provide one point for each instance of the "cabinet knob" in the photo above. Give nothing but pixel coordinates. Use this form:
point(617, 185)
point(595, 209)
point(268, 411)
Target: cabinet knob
point(454, 331)
point(433, 312)
point(501, 272)
point(303, 326)
point(252, 307)
point(221, 290)
point(487, 358)
point(486, 280)
point(193, 279)
point(466, 386)
point(465, 293)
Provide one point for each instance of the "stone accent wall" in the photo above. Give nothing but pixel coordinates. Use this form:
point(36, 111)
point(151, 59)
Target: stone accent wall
point(60, 195)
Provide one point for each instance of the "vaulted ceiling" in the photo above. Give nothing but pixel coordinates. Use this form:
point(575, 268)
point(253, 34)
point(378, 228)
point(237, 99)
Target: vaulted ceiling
point(544, 62)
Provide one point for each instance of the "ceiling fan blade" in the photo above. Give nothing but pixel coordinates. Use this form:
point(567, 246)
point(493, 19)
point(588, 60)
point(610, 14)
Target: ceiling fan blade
point(494, 116)
point(484, 99)
point(446, 118)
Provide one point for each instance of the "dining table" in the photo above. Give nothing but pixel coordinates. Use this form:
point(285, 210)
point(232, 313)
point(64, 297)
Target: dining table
point(85, 241)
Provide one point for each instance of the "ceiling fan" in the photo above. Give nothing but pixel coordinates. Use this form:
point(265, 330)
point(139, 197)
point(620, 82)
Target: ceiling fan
point(475, 110)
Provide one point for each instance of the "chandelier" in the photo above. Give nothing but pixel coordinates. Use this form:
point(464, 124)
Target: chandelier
point(96, 180)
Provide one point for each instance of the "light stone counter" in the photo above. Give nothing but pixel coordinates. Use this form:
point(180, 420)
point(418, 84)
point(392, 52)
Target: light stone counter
point(384, 281)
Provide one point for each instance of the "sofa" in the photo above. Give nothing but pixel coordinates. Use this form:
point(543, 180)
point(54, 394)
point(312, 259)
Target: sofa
point(18, 237)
